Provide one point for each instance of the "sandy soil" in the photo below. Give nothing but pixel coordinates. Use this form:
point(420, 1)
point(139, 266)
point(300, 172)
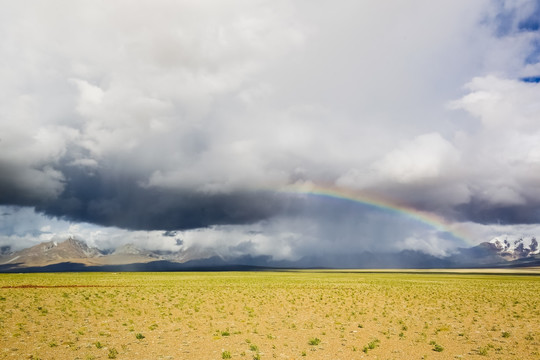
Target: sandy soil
point(283, 315)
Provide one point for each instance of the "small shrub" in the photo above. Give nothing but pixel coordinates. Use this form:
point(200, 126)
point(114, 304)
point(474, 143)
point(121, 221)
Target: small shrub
point(43, 311)
point(226, 354)
point(139, 336)
point(253, 347)
point(98, 344)
point(438, 348)
point(505, 334)
point(371, 345)
point(112, 353)
point(225, 333)
point(314, 341)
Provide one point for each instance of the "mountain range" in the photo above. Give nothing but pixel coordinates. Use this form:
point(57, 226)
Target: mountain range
point(75, 255)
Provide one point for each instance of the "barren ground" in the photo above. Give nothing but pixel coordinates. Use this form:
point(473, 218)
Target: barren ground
point(264, 315)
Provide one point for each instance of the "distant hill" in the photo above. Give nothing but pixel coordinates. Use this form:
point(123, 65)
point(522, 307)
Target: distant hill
point(76, 255)
point(51, 252)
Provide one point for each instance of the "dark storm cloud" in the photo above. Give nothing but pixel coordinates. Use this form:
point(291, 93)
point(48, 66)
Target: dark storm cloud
point(27, 186)
point(115, 200)
point(480, 212)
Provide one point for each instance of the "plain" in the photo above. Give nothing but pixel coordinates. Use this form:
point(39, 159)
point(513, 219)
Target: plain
point(265, 315)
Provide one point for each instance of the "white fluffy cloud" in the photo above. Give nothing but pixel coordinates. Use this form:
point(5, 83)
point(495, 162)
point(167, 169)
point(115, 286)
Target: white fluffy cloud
point(426, 157)
point(502, 162)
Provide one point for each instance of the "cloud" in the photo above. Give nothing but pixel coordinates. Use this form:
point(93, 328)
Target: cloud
point(426, 157)
point(503, 164)
point(496, 101)
point(433, 245)
point(326, 226)
point(188, 115)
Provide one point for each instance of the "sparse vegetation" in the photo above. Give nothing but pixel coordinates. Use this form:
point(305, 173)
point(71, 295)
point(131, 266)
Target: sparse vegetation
point(112, 353)
point(272, 315)
point(483, 351)
point(371, 345)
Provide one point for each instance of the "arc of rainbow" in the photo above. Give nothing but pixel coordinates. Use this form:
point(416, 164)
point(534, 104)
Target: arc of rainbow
point(431, 219)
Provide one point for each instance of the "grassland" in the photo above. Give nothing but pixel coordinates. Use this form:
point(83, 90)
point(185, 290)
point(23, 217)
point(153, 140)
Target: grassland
point(264, 315)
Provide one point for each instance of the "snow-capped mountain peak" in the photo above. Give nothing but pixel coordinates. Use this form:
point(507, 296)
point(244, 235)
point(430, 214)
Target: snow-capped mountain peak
point(516, 247)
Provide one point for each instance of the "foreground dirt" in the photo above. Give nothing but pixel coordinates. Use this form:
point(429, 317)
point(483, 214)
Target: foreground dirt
point(283, 315)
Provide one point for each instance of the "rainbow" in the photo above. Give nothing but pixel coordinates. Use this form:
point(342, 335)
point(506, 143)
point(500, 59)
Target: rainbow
point(433, 220)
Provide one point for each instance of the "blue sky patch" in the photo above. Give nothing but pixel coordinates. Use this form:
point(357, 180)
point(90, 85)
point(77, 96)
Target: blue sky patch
point(531, 79)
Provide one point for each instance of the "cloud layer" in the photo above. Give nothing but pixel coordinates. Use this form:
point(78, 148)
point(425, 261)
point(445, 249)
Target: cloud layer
point(183, 115)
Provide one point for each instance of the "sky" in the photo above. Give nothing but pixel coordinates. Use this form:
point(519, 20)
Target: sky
point(177, 124)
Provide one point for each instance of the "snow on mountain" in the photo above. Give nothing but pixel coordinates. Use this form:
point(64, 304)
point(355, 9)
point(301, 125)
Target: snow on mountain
point(511, 247)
